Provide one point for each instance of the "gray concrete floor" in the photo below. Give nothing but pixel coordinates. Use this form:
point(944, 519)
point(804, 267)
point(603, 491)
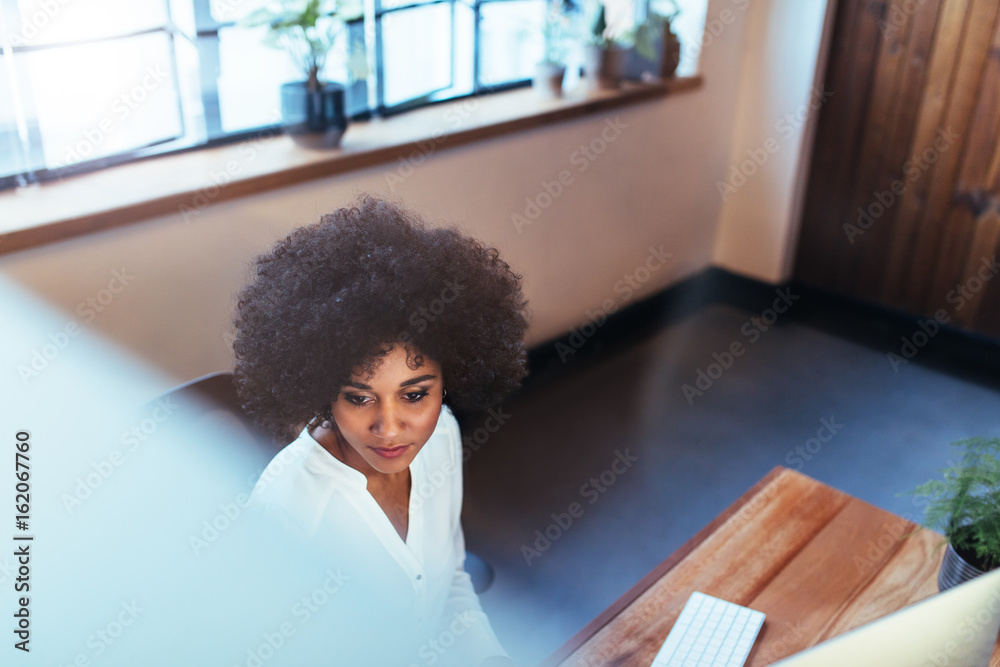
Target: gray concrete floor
point(691, 459)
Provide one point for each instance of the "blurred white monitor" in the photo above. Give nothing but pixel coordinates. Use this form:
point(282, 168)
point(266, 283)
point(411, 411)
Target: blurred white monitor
point(956, 628)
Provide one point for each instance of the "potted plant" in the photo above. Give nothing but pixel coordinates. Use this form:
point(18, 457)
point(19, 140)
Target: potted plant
point(965, 506)
point(550, 71)
point(313, 111)
point(656, 42)
point(606, 52)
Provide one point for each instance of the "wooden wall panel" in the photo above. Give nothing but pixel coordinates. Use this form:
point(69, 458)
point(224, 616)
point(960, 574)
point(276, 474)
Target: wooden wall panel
point(892, 156)
point(855, 36)
point(902, 204)
point(942, 76)
point(932, 223)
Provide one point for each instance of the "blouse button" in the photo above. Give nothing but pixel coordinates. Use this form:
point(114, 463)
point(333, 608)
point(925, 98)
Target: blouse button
point(419, 577)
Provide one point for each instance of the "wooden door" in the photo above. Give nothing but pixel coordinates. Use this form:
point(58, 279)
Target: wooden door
point(903, 202)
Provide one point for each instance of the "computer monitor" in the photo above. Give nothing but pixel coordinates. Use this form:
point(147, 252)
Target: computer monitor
point(956, 628)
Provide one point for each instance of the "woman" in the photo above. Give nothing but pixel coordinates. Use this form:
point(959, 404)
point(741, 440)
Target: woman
point(357, 337)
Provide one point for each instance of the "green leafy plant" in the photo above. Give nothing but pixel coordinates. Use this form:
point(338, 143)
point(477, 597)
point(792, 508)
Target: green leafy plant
point(642, 36)
point(655, 26)
point(605, 36)
point(307, 30)
point(965, 504)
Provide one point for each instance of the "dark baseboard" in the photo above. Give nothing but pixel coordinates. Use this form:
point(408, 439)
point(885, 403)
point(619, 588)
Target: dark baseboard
point(917, 339)
point(949, 349)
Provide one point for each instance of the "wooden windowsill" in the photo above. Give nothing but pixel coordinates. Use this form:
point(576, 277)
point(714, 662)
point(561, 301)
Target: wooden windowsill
point(186, 183)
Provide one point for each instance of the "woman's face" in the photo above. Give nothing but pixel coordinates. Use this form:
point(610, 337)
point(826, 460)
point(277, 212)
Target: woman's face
point(387, 417)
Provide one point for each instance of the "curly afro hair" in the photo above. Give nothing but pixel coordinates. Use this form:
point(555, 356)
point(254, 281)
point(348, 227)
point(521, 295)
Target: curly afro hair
point(338, 294)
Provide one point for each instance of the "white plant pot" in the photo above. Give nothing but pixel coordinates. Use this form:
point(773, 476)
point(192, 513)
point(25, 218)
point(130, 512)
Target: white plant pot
point(549, 79)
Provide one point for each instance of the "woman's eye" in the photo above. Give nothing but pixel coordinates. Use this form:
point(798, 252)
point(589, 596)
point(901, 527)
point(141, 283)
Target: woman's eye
point(415, 396)
point(354, 399)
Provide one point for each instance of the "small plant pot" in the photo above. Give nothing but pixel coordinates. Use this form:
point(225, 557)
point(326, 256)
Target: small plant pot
point(671, 54)
point(955, 570)
point(314, 118)
point(604, 66)
point(548, 79)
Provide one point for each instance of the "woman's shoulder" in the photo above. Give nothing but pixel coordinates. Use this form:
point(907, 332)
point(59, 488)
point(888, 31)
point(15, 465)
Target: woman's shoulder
point(447, 433)
point(280, 469)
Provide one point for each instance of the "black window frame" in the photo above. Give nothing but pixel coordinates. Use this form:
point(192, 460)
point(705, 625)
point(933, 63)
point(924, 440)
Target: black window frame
point(205, 39)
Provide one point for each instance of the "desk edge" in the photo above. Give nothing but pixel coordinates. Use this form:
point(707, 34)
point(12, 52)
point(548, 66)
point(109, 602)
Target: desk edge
point(589, 630)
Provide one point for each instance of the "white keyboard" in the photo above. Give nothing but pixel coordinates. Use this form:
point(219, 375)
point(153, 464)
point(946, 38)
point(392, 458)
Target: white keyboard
point(710, 633)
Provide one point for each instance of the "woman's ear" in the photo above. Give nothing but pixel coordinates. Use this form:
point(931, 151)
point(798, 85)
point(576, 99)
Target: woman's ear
point(331, 424)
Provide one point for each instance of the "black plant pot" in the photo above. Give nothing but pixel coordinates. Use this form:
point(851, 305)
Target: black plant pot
point(315, 119)
point(955, 569)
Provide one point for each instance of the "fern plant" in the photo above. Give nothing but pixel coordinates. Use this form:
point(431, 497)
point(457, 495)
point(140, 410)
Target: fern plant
point(965, 504)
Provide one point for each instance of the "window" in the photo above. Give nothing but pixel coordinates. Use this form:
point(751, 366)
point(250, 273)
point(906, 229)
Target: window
point(85, 80)
point(92, 83)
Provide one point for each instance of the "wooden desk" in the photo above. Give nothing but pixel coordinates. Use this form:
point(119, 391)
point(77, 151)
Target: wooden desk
point(817, 561)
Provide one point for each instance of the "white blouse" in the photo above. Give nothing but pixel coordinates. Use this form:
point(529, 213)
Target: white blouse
point(327, 502)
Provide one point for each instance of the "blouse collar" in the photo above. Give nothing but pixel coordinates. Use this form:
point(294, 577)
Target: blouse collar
point(325, 462)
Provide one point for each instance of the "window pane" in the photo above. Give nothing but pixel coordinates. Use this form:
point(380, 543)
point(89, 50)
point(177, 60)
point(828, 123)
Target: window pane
point(224, 11)
point(385, 5)
point(620, 16)
point(512, 40)
point(53, 21)
point(14, 149)
point(183, 17)
point(251, 73)
point(417, 52)
point(690, 28)
point(250, 78)
point(98, 99)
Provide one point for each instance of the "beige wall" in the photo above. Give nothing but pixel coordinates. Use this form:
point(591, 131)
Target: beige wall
point(781, 91)
point(654, 185)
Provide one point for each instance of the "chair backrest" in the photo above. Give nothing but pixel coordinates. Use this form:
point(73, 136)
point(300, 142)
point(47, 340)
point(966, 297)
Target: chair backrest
point(213, 397)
